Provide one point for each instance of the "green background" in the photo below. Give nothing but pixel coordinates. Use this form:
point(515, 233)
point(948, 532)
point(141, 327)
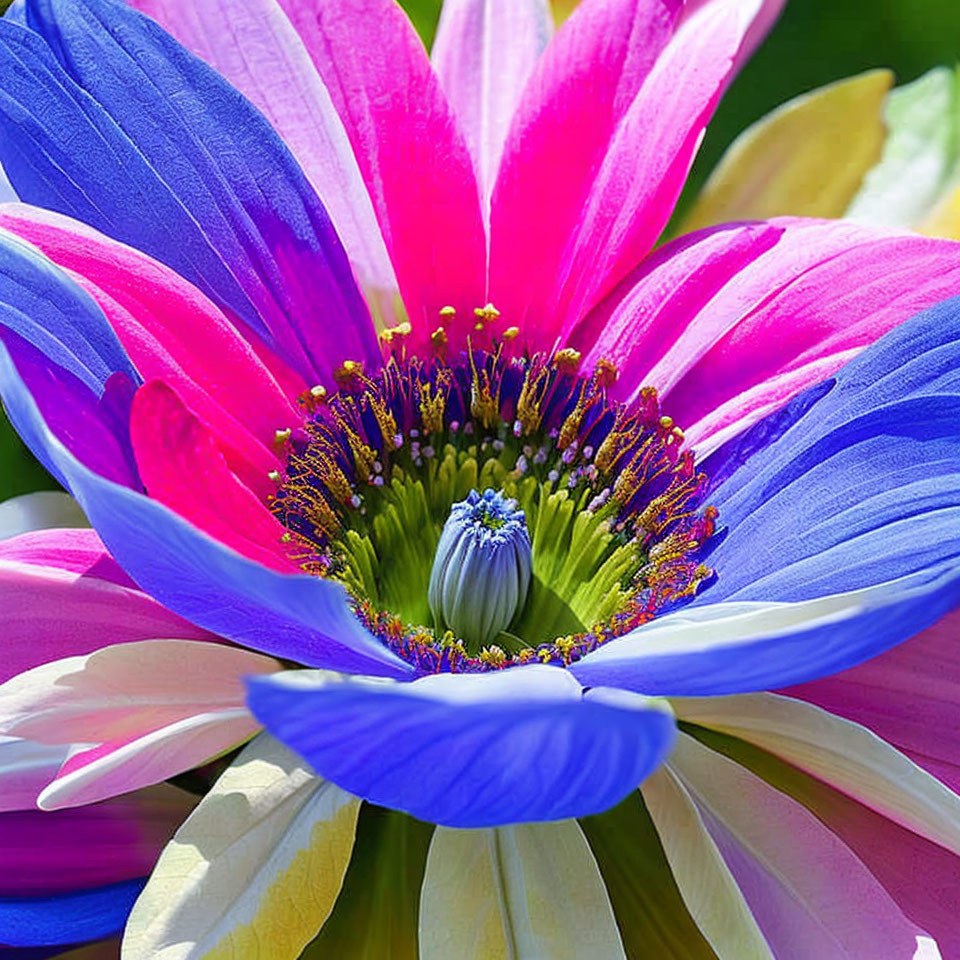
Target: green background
point(816, 41)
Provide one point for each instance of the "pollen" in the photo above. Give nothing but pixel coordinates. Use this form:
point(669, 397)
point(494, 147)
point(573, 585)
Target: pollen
point(607, 372)
point(348, 374)
point(567, 360)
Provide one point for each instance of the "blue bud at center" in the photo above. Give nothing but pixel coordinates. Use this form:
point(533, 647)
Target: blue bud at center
point(481, 570)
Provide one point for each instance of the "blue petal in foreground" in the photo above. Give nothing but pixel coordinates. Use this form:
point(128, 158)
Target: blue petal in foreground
point(106, 118)
point(862, 487)
point(300, 618)
point(69, 918)
point(739, 647)
point(471, 750)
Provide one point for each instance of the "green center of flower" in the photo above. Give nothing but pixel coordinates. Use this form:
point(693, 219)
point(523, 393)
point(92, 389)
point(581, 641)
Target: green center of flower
point(587, 527)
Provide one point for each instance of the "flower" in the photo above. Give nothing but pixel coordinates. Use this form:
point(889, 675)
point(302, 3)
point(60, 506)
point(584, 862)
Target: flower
point(735, 457)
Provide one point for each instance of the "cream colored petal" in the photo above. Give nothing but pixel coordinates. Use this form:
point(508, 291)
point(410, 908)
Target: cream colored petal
point(256, 869)
point(920, 154)
point(520, 892)
point(944, 219)
point(842, 753)
point(705, 883)
point(806, 158)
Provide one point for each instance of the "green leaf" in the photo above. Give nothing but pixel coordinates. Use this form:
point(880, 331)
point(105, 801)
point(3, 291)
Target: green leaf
point(919, 159)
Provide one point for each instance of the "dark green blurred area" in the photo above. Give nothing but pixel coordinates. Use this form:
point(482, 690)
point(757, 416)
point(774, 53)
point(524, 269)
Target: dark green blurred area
point(816, 41)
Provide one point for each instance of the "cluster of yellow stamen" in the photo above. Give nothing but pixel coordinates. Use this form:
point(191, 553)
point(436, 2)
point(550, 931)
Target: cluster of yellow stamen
point(536, 423)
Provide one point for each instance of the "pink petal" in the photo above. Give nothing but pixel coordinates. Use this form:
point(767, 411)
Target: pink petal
point(120, 766)
point(762, 25)
point(182, 467)
point(909, 696)
point(46, 853)
point(730, 323)
point(650, 154)
point(51, 613)
point(253, 44)
point(168, 327)
point(412, 155)
point(484, 52)
point(567, 117)
point(77, 551)
point(641, 321)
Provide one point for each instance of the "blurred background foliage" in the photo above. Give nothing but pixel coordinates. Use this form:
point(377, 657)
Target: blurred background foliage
point(815, 42)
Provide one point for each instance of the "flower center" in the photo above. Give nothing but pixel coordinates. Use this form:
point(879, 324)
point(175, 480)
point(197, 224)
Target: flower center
point(589, 524)
point(481, 570)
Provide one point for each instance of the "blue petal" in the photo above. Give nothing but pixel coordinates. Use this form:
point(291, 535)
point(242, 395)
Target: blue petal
point(68, 918)
point(104, 117)
point(471, 750)
point(742, 647)
point(300, 618)
point(41, 304)
point(842, 530)
point(861, 487)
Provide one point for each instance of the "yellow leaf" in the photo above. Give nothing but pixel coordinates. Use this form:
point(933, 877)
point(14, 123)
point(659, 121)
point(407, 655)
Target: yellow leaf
point(807, 158)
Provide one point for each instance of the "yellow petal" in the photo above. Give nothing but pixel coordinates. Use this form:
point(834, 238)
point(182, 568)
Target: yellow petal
point(254, 871)
point(531, 890)
point(806, 158)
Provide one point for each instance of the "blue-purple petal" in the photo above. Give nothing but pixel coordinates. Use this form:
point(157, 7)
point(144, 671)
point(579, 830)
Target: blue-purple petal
point(104, 117)
point(68, 918)
point(471, 750)
point(301, 618)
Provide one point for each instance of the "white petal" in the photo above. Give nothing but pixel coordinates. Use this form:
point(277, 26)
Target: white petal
point(256, 869)
point(810, 894)
point(842, 753)
point(705, 883)
point(513, 893)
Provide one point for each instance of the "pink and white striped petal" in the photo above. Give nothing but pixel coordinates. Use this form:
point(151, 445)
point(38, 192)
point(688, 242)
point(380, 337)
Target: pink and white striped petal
point(568, 114)
point(254, 45)
point(410, 149)
point(62, 595)
point(809, 893)
point(635, 188)
point(131, 702)
point(484, 53)
point(730, 323)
